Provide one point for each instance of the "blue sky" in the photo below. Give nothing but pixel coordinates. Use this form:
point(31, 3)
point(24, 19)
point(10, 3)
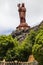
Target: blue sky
point(9, 17)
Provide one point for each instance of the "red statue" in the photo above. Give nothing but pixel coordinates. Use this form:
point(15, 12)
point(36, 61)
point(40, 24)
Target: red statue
point(22, 14)
point(22, 11)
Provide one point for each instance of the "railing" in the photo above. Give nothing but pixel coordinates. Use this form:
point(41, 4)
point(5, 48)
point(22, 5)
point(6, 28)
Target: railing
point(18, 63)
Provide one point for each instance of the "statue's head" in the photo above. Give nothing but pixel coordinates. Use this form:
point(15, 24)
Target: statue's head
point(22, 4)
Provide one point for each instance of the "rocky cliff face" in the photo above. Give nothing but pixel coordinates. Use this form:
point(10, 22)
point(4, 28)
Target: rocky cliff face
point(21, 34)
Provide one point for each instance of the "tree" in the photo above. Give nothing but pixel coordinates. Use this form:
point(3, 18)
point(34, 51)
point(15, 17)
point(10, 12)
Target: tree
point(7, 43)
point(39, 38)
point(32, 36)
point(11, 53)
point(23, 50)
point(38, 48)
point(38, 53)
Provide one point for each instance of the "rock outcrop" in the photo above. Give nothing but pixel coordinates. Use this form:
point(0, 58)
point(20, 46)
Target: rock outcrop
point(21, 34)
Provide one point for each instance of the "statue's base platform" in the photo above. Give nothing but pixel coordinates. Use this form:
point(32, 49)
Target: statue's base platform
point(23, 26)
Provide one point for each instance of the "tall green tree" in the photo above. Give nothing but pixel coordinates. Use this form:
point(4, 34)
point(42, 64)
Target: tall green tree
point(38, 48)
point(24, 50)
point(39, 37)
point(7, 43)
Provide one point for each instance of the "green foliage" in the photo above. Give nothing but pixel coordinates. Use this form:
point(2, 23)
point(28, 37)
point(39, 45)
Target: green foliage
point(23, 51)
point(11, 54)
point(39, 38)
point(11, 49)
point(25, 48)
point(6, 43)
point(38, 48)
point(38, 53)
point(32, 36)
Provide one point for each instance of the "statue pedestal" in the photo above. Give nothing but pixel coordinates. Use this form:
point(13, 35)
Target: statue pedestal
point(23, 26)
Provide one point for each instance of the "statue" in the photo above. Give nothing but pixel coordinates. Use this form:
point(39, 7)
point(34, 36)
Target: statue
point(22, 12)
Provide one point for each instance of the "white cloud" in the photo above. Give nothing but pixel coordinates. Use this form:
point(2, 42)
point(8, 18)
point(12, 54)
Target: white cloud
point(9, 18)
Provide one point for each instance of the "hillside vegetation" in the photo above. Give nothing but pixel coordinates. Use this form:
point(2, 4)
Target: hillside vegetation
point(19, 45)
